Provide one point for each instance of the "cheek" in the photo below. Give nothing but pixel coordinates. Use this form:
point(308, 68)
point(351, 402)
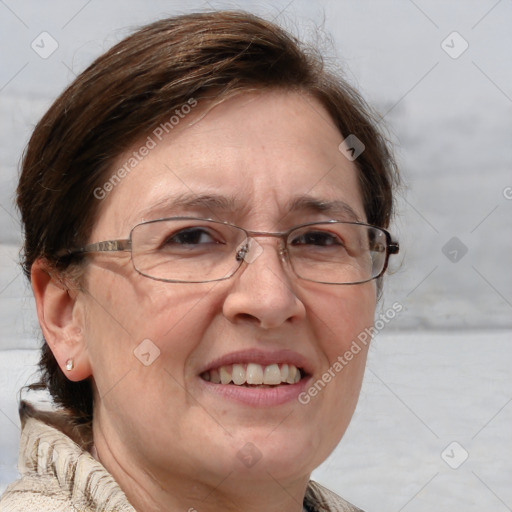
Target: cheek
point(136, 316)
point(344, 322)
point(341, 315)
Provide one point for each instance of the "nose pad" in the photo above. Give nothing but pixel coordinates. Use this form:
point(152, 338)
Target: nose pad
point(248, 250)
point(283, 252)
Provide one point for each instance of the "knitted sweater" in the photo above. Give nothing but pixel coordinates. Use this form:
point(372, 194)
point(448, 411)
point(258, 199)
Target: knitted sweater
point(58, 475)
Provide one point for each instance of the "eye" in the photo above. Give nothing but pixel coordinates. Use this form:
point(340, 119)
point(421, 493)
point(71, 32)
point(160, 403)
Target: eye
point(191, 236)
point(317, 238)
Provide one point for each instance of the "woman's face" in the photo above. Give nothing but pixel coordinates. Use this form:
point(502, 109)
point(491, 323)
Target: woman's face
point(247, 161)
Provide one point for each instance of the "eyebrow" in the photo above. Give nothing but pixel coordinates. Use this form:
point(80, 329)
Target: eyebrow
point(214, 203)
point(336, 209)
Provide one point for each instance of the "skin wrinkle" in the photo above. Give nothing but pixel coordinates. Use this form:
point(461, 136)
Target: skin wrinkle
point(189, 203)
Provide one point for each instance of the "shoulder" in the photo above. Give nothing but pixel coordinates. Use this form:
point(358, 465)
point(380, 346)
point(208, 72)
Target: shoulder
point(35, 493)
point(59, 475)
point(320, 499)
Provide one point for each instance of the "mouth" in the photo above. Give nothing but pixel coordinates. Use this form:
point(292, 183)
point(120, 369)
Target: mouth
point(255, 375)
point(257, 378)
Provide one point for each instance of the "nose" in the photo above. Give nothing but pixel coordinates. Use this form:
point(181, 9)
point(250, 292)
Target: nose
point(262, 290)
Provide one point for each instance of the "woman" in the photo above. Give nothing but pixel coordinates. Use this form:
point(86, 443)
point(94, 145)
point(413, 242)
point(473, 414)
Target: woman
point(205, 211)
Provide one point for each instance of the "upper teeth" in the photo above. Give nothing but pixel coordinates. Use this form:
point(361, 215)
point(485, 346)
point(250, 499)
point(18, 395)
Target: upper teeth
point(253, 373)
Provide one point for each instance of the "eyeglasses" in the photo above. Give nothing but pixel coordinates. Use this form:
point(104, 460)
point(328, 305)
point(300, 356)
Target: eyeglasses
point(195, 250)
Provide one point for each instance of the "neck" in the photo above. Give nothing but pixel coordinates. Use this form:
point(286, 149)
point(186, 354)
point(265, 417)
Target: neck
point(158, 491)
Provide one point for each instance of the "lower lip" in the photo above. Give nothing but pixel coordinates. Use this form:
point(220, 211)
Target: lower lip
point(258, 397)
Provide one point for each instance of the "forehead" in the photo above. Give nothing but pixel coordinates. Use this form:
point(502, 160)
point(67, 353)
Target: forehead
point(254, 157)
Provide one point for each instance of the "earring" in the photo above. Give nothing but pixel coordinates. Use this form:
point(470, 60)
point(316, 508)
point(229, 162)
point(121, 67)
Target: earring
point(69, 365)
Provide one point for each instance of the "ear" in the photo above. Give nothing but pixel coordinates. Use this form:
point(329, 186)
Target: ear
point(61, 317)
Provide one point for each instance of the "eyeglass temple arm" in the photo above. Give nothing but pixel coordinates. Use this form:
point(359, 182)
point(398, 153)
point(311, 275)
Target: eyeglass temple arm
point(393, 247)
point(105, 246)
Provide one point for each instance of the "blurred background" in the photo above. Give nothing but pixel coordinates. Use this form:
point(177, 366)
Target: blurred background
point(432, 429)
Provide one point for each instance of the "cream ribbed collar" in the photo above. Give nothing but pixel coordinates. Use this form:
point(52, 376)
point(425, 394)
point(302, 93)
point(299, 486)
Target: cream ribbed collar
point(87, 486)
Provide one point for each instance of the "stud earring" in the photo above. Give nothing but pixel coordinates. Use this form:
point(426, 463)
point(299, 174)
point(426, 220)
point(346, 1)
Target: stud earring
point(69, 365)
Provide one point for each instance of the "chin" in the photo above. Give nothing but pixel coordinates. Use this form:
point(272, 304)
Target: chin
point(266, 452)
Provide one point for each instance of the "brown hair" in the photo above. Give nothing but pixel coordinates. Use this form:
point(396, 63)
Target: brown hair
point(132, 88)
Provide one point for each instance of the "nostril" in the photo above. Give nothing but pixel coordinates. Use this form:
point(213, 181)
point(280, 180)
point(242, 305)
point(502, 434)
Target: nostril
point(248, 316)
